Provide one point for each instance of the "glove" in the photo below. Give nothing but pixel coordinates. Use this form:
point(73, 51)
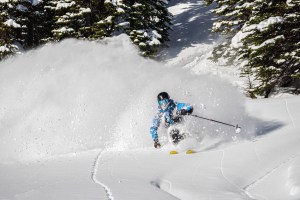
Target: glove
point(190, 111)
point(185, 112)
point(182, 112)
point(156, 143)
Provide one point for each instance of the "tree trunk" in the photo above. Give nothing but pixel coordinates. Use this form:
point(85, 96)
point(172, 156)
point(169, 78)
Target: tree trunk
point(101, 6)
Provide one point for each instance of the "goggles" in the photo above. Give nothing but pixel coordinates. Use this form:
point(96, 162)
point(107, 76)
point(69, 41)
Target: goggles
point(163, 102)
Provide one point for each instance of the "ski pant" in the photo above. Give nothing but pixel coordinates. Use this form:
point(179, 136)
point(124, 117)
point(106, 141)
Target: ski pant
point(176, 133)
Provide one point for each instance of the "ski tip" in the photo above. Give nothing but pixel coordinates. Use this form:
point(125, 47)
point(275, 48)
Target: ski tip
point(173, 152)
point(190, 151)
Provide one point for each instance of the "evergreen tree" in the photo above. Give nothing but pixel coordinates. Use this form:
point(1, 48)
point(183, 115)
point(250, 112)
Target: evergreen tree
point(41, 23)
point(111, 19)
point(28, 24)
point(27, 16)
point(10, 29)
point(150, 22)
point(23, 25)
point(264, 34)
point(233, 14)
point(71, 19)
point(271, 45)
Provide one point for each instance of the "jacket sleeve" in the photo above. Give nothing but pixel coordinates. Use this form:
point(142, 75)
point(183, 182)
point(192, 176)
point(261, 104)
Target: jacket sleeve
point(184, 107)
point(155, 124)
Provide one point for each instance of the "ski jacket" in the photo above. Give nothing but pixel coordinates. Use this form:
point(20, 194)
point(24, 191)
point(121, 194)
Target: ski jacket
point(171, 115)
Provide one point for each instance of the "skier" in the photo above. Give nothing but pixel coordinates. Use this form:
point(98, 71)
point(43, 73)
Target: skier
point(172, 113)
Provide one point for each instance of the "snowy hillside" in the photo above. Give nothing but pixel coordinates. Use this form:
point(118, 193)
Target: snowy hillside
point(75, 118)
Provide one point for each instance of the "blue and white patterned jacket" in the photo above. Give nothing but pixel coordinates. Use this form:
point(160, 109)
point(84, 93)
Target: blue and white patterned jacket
point(171, 116)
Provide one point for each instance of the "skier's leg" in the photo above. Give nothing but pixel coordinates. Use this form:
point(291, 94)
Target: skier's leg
point(175, 136)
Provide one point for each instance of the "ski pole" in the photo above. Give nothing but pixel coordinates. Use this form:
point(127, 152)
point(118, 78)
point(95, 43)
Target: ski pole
point(237, 128)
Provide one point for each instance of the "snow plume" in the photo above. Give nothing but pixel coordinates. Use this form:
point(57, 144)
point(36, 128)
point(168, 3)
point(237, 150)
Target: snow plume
point(79, 95)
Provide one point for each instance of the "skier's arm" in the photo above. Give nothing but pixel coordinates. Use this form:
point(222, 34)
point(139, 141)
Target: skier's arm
point(153, 130)
point(184, 108)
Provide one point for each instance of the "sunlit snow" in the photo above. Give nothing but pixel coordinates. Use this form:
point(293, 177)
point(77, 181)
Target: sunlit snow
point(75, 119)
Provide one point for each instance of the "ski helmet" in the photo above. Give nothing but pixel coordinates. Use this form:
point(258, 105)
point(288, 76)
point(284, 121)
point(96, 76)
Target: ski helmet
point(163, 96)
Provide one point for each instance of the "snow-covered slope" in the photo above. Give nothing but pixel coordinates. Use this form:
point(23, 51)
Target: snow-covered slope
point(75, 117)
point(266, 167)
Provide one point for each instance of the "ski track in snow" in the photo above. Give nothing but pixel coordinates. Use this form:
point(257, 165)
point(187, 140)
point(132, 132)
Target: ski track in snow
point(256, 153)
point(230, 182)
point(94, 176)
point(289, 113)
point(269, 173)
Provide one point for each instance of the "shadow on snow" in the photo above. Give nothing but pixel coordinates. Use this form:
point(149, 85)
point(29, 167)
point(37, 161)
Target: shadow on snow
point(188, 29)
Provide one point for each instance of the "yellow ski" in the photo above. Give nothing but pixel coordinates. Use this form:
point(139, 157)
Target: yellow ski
point(189, 152)
point(173, 152)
